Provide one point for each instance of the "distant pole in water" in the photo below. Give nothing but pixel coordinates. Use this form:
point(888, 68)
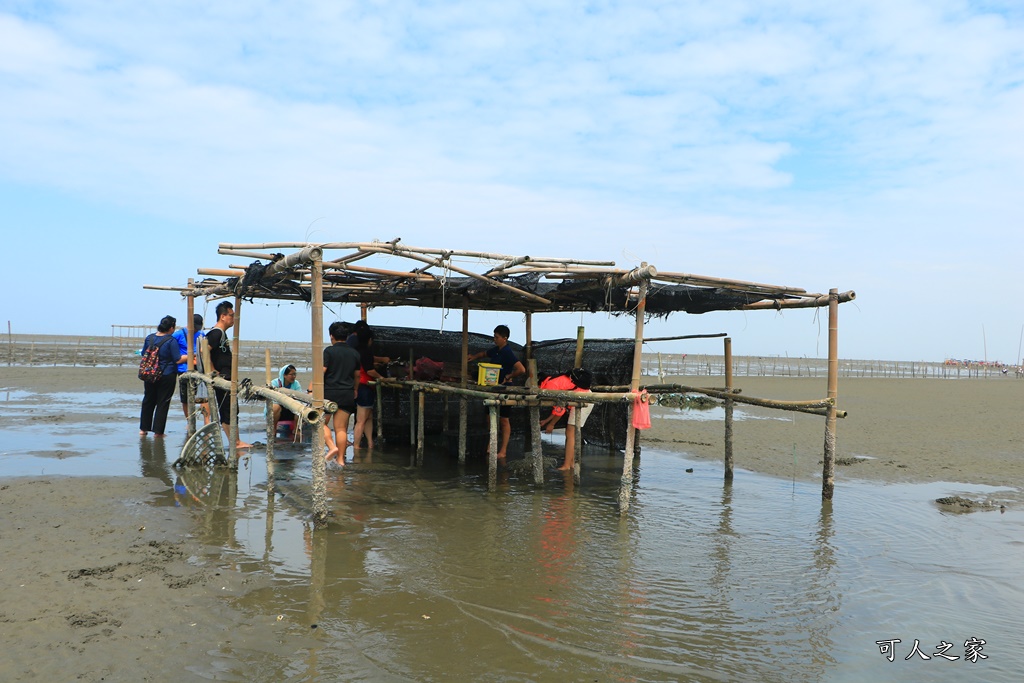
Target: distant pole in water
point(1021, 342)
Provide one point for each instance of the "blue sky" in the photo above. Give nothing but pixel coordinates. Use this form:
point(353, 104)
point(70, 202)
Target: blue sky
point(873, 146)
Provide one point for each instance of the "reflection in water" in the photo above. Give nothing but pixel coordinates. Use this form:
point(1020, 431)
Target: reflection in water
point(424, 575)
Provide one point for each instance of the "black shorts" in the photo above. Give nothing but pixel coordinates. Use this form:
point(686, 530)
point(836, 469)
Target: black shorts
point(504, 411)
point(366, 396)
point(345, 399)
point(223, 405)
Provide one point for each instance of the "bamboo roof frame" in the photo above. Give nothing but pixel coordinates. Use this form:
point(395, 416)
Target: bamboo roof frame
point(446, 278)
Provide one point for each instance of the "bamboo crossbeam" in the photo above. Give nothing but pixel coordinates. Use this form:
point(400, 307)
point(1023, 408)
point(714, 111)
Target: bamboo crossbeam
point(307, 398)
point(379, 271)
point(689, 278)
point(507, 264)
point(249, 391)
point(302, 257)
point(167, 288)
point(686, 336)
point(247, 254)
point(220, 272)
point(644, 272)
point(817, 301)
point(517, 393)
point(462, 271)
point(392, 246)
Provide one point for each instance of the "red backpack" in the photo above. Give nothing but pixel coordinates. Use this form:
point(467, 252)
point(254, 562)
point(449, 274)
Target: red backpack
point(149, 366)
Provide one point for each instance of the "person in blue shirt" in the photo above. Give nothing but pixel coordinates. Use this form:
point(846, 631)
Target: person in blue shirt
point(502, 354)
point(181, 335)
point(156, 399)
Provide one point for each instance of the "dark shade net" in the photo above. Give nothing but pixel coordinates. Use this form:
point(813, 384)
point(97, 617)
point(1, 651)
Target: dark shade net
point(610, 361)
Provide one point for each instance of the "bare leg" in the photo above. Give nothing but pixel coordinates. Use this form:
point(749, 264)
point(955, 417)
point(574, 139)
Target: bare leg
point(341, 434)
point(364, 427)
point(227, 433)
point(276, 410)
point(332, 448)
point(570, 448)
point(506, 431)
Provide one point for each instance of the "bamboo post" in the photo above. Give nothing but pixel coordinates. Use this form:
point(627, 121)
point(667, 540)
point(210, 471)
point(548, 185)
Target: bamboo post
point(379, 408)
point(271, 437)
point(661, 369)
point(529, 336)
point(233, 407)
point(492, 450)
point(626, 484)
point(190, 393)
point(420, 434)
point(728, 410)
point(463, 402)
point(828, 472)
point(317, 337)
point(577, 455)
point(535, 437)
point(266, 362)
point(412, 404)
point(578, 360)
point(190, 363)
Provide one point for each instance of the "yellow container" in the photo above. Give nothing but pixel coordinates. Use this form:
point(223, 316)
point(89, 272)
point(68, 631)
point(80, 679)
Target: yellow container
point(488, 374)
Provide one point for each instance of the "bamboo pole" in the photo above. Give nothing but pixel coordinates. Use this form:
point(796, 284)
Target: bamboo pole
point(626, 484)
point(379, 408)
point(317, 343)
point(578, 358)
point(536, 440)
point(816, 301)
point(266, 362)
point(412, 402)
point(271, 437)
point(233, 407)
point(577, 443)
point(828, 472)
point(420, 427)
point(190, 362)
point(728, 411)
point(462, 271)
point(463, 381)
point(492, 450)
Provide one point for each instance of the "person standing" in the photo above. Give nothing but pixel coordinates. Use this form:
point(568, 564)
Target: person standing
point(365, 397)
point(341, 381)
point(577, 380)
point(502, 354)
point(156, 397)
point(220, 357)
point(181, 336)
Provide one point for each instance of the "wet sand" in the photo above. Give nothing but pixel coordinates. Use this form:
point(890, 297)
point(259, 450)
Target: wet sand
point(100, 585)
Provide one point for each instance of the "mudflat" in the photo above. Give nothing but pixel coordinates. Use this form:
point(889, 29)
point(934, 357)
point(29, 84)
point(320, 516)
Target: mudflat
point(100, 585)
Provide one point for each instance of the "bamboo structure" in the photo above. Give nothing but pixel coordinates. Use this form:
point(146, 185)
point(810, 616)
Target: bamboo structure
point(447, 278)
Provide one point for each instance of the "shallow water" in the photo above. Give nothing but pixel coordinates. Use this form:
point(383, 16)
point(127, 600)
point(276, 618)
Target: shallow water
point(425, 575)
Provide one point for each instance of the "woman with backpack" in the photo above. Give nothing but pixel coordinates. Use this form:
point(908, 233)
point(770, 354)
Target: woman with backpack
point(159, 373)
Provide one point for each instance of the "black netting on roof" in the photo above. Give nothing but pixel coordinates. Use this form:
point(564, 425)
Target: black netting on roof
point(576, 295)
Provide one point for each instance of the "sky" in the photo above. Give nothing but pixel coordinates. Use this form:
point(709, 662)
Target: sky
point(869, 145)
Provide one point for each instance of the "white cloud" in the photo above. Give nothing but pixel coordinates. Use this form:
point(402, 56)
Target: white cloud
point(796, 143)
